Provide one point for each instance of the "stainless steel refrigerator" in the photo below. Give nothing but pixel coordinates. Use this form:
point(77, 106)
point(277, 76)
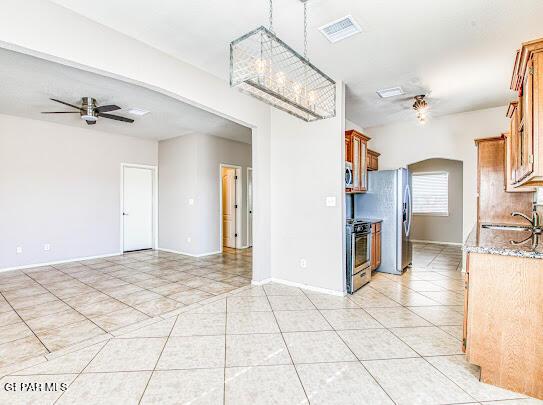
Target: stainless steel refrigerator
point(389, 198)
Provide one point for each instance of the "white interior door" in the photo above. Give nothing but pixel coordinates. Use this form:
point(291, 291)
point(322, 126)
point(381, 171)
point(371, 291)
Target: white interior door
point(250, 207)
point(229, 207)
point(137, 208)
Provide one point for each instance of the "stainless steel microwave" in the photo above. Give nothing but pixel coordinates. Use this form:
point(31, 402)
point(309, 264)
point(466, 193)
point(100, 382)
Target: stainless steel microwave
point(348, 175)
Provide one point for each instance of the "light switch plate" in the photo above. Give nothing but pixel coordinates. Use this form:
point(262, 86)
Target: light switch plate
point(19, 250)
point(191, 201)
point(330, 201)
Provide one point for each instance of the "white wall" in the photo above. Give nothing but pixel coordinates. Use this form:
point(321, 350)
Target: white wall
point(177, 182)
point(448, 137)
point(212, 151)
point(308, 165)
point(189, 169)
point(23, 28)
point(61, 185)
point(352, 125)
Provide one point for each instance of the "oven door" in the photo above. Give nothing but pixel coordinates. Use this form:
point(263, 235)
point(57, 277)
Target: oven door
point(361, 251)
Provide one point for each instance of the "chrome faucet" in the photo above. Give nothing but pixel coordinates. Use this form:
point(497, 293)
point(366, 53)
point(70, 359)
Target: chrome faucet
point(535, 220)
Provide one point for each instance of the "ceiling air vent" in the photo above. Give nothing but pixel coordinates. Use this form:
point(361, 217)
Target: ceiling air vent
point(340, 29)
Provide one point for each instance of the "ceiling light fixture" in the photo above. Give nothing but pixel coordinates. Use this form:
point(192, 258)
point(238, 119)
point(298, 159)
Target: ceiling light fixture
point(265, 67)
point(421, 108)
point(137, 111)
point(392, 92)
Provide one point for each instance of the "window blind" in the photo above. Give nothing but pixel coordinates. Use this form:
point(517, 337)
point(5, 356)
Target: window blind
point(431, 193)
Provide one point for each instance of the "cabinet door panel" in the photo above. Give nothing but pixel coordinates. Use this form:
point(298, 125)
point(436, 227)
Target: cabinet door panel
point(363, 166)
point(357, 150)
point(526, 133)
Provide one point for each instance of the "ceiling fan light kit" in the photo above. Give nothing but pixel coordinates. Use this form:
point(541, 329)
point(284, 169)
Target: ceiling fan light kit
point(265, 67)
point(421, 108)
point(90, 112)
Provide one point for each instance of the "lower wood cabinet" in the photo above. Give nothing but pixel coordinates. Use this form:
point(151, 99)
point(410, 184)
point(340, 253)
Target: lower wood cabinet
point(375, 246)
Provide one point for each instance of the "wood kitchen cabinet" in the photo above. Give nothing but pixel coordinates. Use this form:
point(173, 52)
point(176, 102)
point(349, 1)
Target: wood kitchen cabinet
point(503, 322)
point(526, 164)
point(494, 204)
point(375, 245)
point(373, 160)
point(511, 152)
point(356, 149)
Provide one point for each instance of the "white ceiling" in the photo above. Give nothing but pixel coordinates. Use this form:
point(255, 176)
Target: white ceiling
point(27, 83)
point(459, 51)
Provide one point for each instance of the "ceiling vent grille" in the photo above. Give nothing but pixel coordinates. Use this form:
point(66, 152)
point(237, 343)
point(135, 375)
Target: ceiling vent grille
point(340, 29)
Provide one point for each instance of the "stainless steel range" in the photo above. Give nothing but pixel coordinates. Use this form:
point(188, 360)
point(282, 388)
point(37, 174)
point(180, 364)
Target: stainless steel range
point(358, 250)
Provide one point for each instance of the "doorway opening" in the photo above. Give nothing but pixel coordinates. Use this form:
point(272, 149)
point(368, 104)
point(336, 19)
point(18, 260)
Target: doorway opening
point(231, 206)
point(139, 202)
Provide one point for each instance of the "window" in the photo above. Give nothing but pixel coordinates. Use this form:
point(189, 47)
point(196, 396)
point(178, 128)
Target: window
point(431, 193)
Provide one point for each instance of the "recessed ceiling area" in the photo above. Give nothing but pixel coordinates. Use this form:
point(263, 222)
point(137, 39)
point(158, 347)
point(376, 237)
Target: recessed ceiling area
point(459, 53)
point(27, 83)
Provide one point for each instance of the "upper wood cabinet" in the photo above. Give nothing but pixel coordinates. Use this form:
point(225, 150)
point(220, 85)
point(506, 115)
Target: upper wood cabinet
point(373, 160)
point(511, 152)
point(494, 204)
point(526, 131)
point(356, 148)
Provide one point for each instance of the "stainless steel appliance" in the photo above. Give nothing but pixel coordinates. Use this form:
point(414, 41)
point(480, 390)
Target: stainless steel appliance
point(348, 175)
point(389, 198)
point(358, 254)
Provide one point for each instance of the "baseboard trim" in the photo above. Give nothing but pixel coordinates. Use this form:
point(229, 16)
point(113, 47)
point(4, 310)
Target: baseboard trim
point(189, 254)
point(75, 259)
point(435, 242)
point(299, 285)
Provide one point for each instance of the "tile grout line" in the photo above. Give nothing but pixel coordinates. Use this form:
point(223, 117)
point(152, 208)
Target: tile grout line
point(81, 372)
point(348, 347)
point(286, 346)
point(158, 359)
point(31, 330)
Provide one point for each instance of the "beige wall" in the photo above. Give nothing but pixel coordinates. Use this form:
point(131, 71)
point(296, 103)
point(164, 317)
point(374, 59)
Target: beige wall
point(440, 228)
point(449, 137)
point(60, 185)
point(189, 169)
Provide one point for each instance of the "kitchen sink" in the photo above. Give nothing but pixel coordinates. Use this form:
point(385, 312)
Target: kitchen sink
point(519, 228)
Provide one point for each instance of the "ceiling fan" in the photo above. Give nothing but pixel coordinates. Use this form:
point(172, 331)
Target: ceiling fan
point(90, 112)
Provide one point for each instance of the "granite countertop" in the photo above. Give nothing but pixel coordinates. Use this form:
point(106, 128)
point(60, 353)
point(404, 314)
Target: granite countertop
point(498, 242)
point(371, 220)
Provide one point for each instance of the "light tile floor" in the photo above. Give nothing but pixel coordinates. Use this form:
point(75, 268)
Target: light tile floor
point(45, 309)
point(396, 341)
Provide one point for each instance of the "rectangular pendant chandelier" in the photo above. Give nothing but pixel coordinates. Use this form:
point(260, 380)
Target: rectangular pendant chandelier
point(264, 67)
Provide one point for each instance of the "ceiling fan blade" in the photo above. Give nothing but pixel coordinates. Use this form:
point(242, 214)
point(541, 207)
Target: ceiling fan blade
point(60, 112)
point(106, 108)
point(89, 122)
point(68, 104)
point(115, 117)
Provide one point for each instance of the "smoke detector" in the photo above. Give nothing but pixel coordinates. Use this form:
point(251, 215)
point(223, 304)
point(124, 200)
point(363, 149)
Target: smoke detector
point(340, 29)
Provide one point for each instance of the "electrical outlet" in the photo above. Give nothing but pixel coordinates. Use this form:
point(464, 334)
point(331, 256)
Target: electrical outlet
point(47, 247)
point(19, 250)
point(191, 201)
point(303, 263)
point(331, 201)
point(189, 239)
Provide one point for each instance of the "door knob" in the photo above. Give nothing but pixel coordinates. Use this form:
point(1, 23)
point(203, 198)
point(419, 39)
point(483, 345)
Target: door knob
point(124, 213)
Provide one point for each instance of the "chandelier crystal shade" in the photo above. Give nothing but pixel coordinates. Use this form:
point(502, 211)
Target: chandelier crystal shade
point(264, 67)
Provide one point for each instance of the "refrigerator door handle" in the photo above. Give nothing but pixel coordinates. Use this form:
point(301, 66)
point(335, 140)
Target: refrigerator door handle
point(407, 222)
